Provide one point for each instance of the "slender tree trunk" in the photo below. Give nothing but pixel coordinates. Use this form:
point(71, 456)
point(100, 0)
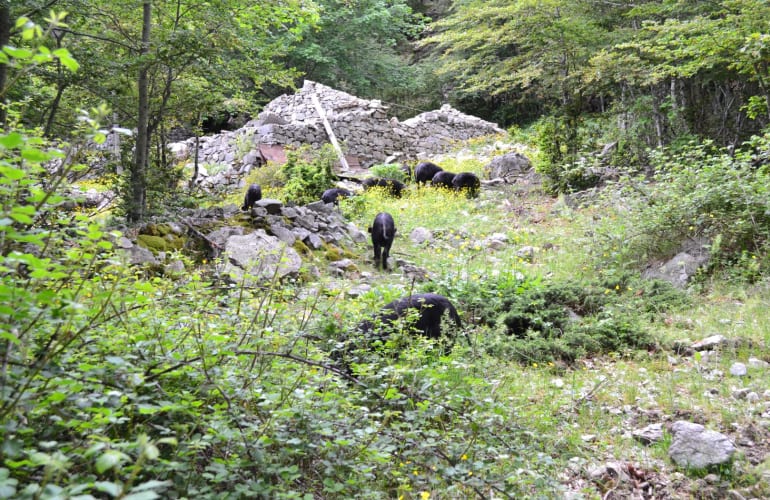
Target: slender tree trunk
point(138, 202)
point(60, 87)
point(5, 36)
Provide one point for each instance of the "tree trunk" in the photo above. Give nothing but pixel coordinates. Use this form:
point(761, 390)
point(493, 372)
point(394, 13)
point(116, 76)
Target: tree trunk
point(5, 36)
point(138, 202)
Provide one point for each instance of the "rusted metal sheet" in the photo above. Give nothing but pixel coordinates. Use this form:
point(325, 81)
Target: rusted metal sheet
point(354, 163)
point(273, 152)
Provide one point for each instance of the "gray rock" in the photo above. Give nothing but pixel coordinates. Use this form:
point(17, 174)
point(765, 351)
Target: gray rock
point(696, 447)
point(175, 267)
point(270, 205)
point(508, 167)
point(259, 256)
point(308, 222)
point(710, 343)
point(124, 243)
point(356, 234)
point(314, 241)
point(420, 235)
point(738, 370)
point(221, 235)
point(139, 256)
point(358, 290)
point(758, 363)
point(321, 207)
point(301, 233)
point(526, 253)
point(682, 266)
point(283, 233)
point(653, 433)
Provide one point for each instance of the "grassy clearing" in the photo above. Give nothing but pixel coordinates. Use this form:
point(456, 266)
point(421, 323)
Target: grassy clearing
point(584, 414)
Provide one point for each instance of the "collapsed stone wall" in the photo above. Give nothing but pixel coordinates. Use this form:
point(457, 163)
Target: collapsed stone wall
point(362, 126)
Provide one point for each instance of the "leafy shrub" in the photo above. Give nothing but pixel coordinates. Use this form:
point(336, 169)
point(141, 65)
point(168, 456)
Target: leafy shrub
point(388, 171)
point(530, 321)
point(308, 173)
point(699, 194)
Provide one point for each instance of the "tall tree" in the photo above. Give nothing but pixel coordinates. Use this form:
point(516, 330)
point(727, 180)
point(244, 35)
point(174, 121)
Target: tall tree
point(5, 36)
point(142, 150)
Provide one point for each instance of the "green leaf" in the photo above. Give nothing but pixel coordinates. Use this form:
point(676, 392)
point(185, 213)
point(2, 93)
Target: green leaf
point(12, 140)
point(18, 53)
point(35, 155)
point(142, 495)
point(150, 485)
point(108, 487)
point(66, 59)
point(108, 460)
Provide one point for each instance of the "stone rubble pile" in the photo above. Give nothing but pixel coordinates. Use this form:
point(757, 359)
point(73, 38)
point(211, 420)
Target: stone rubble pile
point(262, 253)
point(361, 126)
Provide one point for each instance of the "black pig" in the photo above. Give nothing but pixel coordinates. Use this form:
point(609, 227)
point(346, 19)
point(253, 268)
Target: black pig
point(383, 231)
point(253, 195)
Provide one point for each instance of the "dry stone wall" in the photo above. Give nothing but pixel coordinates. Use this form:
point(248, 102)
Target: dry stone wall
point(362, 126)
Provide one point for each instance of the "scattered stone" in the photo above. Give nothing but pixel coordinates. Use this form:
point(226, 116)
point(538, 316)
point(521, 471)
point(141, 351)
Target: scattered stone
point(709, 343)
point(741, 393)
point(358, 290)
point(653, 433)
point(696, 447)
point(421, 235)
point(758, 363)
point(738, 370)
point(526, 253)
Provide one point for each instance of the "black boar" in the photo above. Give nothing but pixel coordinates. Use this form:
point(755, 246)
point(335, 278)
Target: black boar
point(425, 171)
point(253, 195)
point(333, 195)
point(443, 179)
point(383, 231)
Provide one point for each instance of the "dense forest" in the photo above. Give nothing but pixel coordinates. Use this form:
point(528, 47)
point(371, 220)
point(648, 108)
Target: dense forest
point(647, 124)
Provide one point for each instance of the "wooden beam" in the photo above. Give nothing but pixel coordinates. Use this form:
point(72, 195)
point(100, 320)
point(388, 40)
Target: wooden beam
point(329, 131)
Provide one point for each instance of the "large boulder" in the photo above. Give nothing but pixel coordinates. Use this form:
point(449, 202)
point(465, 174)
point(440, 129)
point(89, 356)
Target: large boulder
point(508, 167)
point(257, 257)
point(696, 447)
point(683, 266)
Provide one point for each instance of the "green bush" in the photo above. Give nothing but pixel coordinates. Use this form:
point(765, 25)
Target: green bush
point(389, 171)
point(308, 173)
point(699, 194)
point(531, 321)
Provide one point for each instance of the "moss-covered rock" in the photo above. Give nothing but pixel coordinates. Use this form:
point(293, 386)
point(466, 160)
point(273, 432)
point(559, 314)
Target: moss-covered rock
point(301, 248)
point(153, 243)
